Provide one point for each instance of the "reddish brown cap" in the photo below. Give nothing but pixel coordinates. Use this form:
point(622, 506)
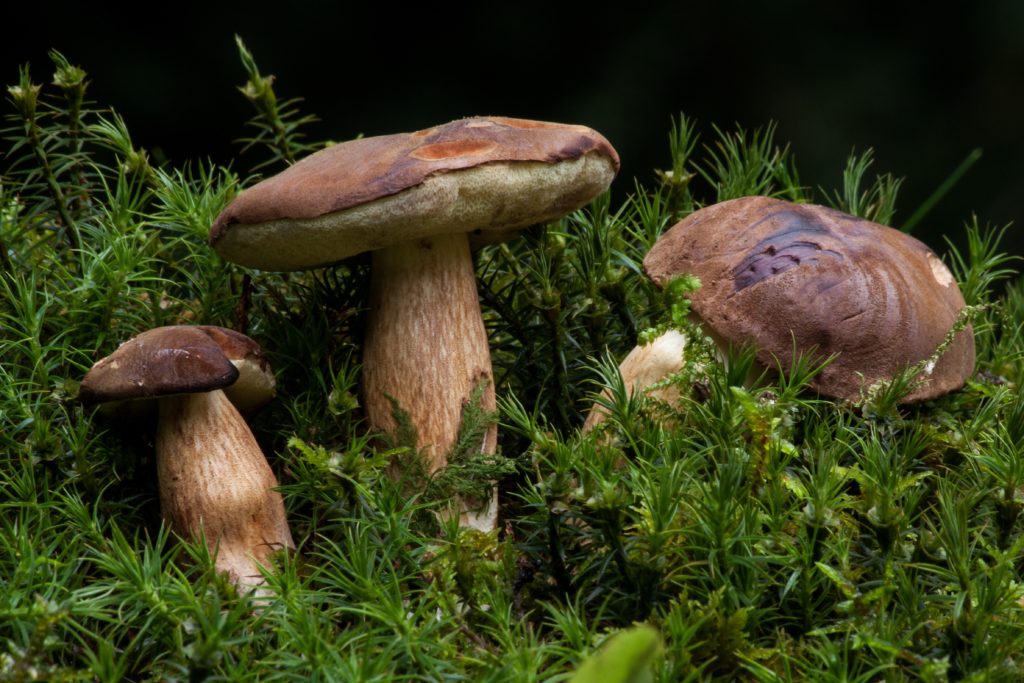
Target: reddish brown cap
point(180, 359)
point(486, 174)
point(774, 273)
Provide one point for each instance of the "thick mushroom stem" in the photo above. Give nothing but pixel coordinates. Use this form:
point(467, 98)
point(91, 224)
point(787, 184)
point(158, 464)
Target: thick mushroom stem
point(426, 348)
point(215, 482)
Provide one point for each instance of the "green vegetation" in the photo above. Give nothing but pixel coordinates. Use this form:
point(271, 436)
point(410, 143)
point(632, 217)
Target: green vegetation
point(763, 533)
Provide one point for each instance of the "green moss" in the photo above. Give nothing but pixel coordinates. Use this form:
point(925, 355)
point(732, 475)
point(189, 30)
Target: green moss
point(764, 533)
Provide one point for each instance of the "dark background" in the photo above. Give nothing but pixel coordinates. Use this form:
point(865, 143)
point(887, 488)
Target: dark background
point(922, 86)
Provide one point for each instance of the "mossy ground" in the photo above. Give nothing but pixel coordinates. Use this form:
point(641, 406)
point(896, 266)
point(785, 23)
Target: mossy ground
point(766, 534)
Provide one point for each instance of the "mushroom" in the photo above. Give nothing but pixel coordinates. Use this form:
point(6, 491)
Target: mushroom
point(413, 199)
point(214, 481)
point(781, 277)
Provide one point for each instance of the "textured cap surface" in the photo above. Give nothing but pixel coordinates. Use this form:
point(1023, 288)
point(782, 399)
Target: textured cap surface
point(775, 273)
point(476, 174)
point(177, 359)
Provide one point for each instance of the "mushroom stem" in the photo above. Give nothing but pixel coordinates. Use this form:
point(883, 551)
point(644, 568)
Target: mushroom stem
point(214, 481)
point(426, 347)
point(645, 366)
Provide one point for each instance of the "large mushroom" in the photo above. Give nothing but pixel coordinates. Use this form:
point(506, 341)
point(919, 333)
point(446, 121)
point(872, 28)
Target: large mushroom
point(213, 478)
point(780, 277)
point(415, 200)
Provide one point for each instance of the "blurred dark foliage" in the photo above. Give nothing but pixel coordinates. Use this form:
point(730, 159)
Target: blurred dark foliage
point(923, 87)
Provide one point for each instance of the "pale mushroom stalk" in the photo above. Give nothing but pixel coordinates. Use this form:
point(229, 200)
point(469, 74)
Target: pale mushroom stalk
point(216, 484)
point(425, 323)
point(648, 365)
point(645, 366)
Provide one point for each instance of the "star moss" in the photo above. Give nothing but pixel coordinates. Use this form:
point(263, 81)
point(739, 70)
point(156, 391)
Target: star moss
point(764, 533)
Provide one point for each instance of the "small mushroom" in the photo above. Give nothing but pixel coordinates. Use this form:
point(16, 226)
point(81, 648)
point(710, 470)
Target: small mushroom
point(214, 481)
point(415, 200)
point(780, 276)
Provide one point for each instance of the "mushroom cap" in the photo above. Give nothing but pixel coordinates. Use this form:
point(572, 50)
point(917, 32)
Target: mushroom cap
point(488, 175)
point(182, 359)
point(776, 274)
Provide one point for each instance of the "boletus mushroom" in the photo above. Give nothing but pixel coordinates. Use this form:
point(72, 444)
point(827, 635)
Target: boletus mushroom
point(415, 200)
point(780, 277)
point(213, 478)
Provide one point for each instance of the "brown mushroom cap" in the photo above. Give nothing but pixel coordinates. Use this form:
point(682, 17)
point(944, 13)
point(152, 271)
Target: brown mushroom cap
point(181, 359)
point(485, 174)
point(775, 273)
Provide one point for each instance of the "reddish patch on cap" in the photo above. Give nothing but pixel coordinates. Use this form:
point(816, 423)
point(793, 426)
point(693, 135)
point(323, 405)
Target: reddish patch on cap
point(451, 150)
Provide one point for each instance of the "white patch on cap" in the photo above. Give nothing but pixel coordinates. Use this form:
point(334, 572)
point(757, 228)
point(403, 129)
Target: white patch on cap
point(939, 271)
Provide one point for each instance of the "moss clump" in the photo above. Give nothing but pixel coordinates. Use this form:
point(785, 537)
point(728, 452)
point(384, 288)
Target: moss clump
point(764, 533)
